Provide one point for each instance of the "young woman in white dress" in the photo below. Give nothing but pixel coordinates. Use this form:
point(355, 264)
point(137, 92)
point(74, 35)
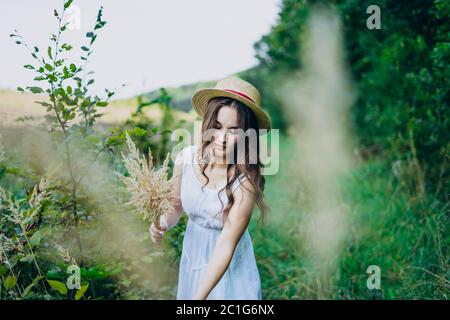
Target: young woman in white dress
point(218, 191)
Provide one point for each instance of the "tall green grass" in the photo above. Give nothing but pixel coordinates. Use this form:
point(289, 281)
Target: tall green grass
point(406, 236)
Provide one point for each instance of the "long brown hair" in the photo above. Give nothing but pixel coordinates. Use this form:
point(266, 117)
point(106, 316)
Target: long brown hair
point(252, 171)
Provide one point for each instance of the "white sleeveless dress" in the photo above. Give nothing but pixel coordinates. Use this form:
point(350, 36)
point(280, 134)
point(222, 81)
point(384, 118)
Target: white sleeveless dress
point(241, 280)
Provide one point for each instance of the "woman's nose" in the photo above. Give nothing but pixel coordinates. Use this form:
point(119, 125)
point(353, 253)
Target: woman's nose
point(222, 136)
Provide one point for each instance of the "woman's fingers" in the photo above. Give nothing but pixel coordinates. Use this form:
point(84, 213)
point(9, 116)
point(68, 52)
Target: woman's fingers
point(160, 229)
point(156, 234)
point(155, 240)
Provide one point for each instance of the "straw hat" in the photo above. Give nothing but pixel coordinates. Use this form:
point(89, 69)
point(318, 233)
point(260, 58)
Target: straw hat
point(236, 88)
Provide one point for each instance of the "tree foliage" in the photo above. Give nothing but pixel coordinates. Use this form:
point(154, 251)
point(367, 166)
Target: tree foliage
point(401, 71)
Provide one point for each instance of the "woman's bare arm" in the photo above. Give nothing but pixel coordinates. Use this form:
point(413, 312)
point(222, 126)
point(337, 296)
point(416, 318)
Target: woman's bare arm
point(235, 225)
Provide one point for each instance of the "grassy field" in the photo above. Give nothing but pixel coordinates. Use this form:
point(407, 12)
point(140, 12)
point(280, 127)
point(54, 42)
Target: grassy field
point(389, 227)
point(15, 105)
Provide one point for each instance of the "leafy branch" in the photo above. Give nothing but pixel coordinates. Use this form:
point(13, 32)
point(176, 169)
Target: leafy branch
point(67, 90)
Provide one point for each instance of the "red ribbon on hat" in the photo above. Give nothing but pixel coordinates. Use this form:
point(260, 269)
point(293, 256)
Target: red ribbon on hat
point(241, 94)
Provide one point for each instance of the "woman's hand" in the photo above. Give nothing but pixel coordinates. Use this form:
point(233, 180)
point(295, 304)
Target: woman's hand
point(156, 234)
point(168, 221)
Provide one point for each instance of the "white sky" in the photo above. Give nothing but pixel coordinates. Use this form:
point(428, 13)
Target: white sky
point(145, 44)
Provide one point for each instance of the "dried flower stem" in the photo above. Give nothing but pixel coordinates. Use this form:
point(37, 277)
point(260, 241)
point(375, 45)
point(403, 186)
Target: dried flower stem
point(150, 188)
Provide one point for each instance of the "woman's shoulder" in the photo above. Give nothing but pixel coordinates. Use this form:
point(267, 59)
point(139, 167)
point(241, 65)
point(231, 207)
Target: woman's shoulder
point(241, 180)
point(185, 155)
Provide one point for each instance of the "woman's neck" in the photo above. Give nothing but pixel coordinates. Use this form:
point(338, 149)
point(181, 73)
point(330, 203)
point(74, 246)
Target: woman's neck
point(221, 169)
point(217, 165)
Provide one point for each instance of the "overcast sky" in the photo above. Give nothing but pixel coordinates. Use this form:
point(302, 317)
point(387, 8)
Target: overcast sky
point(145, 44)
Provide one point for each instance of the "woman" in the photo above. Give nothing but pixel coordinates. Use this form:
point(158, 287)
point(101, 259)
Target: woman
point(218, 193)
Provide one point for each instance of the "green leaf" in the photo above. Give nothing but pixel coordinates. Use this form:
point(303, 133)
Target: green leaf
point(67, 4)
point(154, 130)
point(20, 89)
point(73, 67)
point(54, 272)
point(85, 48)
point(71, 102)
point(60, 91)
point(28, 66)
point(48, 67)
point(99, 24)
point(35, 89)
point(93, 273)
point(28, 258)
point(166, 131)
point(93, 39)
point(86, 102)
point(59, 106)
point(35, 240)
point(58, 286)
point(3, 270)
point(44, 104)
point(90, 82)
point(89, 34)
point(10, 282)
point(67, 115)
point(102, 104)
point(49, 51)
point(137, 132)
point(66, 73)
point(52, 77)
point(81, 291)
point(28, 289)
point(66, 47)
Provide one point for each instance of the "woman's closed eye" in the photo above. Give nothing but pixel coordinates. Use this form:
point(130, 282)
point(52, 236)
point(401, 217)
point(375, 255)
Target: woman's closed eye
point(233, 130)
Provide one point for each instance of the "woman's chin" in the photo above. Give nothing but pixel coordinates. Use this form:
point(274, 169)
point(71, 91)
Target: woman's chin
point(220, 154)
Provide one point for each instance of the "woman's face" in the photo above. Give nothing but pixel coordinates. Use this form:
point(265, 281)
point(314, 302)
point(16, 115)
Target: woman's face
point(226, 131)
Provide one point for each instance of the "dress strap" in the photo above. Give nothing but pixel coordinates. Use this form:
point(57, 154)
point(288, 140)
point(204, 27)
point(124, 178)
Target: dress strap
point(238, 181)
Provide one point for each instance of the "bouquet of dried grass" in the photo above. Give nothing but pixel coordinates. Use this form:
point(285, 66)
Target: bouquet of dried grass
point(150, 188)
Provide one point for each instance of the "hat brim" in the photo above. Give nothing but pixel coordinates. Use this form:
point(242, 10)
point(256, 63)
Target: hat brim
point(201, 98)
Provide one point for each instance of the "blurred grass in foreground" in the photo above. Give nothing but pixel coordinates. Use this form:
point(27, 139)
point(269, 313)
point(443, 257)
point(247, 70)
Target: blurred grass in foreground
point(388, 226)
